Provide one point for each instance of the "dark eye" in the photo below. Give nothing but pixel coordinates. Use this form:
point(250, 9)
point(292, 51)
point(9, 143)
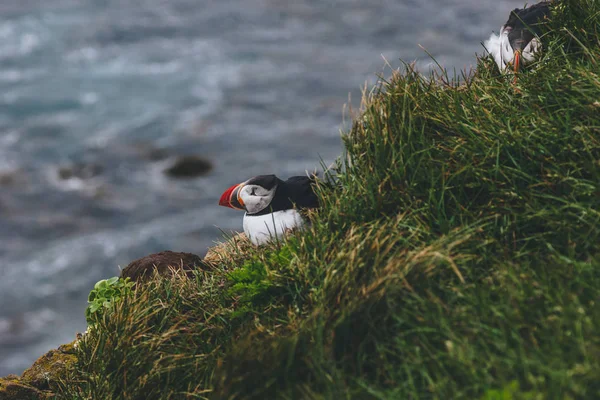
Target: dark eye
point(253, 193)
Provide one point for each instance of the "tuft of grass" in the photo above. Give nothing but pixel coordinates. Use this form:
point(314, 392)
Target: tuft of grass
point(456, 255)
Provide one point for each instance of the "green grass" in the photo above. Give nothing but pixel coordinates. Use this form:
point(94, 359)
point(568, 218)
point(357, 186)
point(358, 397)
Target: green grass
point(456, 255)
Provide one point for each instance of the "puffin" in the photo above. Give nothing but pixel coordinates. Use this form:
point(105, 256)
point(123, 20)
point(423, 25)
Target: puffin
point(518, 42)
point(272, 205)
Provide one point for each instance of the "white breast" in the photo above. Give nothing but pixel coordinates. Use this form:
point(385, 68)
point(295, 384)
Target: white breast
point(261, 229)
point(499, 47)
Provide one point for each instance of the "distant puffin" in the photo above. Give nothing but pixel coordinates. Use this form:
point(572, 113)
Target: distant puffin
point(518, 42)
point(272, 205)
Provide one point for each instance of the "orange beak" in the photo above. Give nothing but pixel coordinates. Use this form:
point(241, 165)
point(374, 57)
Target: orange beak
point(231, 198)
point(517, 63)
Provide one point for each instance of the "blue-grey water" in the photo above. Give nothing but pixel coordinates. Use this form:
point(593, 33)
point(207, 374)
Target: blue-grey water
point(116, 89)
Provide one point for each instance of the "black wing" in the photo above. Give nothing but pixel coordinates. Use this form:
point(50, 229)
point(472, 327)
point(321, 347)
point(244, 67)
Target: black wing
point(301, 193)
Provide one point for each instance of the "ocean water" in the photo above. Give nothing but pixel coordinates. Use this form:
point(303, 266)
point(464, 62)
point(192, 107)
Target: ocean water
point(116, 89)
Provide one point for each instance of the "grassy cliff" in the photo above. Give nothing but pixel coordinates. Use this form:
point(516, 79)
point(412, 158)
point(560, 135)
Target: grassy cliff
point(456, 255)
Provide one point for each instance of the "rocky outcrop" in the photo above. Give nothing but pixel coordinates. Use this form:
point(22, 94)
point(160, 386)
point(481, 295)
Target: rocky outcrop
point(164, 263)
point(41, 379)
point(13, 389)
point(50, 367)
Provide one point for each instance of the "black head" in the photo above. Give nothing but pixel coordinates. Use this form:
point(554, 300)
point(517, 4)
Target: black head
point(267, 182)
point(254, 195)
point(264, 194)
point(525, 23)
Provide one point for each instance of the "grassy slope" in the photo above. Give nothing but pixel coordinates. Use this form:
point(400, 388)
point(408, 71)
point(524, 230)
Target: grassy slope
point(458, 256)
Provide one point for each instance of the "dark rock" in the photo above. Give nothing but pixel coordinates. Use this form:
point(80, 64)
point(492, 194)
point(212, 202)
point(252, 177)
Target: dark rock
point(188, 167)
point(12, 177)
point(163, 262)
point(79, 171)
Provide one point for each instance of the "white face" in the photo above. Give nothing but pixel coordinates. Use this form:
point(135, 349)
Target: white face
point(530, 51)
point(256, 198)
point(504, 54)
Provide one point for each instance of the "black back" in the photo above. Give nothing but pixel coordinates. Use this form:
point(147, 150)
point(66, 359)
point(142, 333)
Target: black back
point(296, 192)
point(300, 191)
point(525, 24)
